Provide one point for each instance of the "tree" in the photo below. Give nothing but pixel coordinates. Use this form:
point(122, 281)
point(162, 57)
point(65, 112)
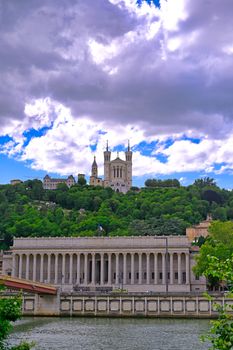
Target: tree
point(82, 181)
point(10, 311)
point(205, 182)
point(221, 332)
point(219, 244)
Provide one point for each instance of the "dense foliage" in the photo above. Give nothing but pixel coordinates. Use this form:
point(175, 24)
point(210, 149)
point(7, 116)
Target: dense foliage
point(28, 210)
point(10, 311)
point(219, 245)
point(221, 332)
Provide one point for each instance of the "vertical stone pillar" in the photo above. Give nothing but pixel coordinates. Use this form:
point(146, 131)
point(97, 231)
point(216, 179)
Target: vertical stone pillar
point(171, 269)
point(56, 269)
point(164, 268)
point(93, 279)
point(187, 268)
point(49, 268)
point(27, 266)
point(179, 268)
point(155, 268)
point(63, 269)
point(78, 268)
point(140, 268)
point(41, 267)
point(20, 265)
point(132, 268)
point(14, 266)
point(34, 267)
point(109, 268)
point(85, 268)
point(117, 269)
point(71, 269)
point(148, 268)
point(102, 269)
point(124, 268)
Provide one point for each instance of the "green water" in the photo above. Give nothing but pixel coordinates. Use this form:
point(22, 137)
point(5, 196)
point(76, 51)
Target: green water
point(111, 334)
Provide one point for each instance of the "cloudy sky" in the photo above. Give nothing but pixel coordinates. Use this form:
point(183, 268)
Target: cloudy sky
point(76, 73)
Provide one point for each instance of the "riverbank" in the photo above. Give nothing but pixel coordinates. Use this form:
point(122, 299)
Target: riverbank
point(122, 305)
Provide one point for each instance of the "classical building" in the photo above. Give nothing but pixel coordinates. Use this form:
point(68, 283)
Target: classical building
point(117, 172)
point(51, 183)
point(136, 264)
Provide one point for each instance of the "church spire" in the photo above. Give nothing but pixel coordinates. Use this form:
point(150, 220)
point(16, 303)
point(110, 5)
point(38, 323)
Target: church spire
point(128, 146)
point(107, 146)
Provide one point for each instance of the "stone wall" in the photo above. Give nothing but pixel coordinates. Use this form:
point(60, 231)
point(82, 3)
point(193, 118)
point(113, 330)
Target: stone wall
point(122, 306)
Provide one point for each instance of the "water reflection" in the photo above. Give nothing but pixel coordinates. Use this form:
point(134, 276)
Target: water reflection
point(111, 334)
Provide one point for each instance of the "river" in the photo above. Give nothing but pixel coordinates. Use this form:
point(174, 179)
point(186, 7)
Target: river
point(111, 334)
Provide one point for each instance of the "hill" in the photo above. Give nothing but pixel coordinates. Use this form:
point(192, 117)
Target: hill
point(28, 210)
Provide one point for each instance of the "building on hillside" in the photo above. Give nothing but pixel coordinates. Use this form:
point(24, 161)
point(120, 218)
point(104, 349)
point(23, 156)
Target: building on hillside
point(137, 264)
point(16, 182)
point(200, 230)
point(51, 183)
point(117, 172)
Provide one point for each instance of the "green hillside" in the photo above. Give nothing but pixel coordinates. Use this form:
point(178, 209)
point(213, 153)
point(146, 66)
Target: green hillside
point(163, 207)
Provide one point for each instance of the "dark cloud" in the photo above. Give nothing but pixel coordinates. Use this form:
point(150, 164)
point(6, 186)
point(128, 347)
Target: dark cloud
point(44, 52)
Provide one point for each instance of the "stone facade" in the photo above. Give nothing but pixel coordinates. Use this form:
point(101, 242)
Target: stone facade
point(51, 183)
point(117, 172)
point(200, 230)
point(136, 264)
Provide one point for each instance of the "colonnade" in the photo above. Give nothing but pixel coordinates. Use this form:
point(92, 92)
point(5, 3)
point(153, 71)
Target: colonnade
point(104, 268)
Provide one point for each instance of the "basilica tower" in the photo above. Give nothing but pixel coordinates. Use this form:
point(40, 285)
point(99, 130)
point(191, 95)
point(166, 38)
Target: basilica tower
point(128, 159)
point(107, 161)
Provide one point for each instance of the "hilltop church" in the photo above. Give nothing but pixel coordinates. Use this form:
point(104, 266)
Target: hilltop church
point(117, 172)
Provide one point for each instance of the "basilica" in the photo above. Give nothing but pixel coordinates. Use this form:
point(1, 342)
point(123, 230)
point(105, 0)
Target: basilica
point(117, 172)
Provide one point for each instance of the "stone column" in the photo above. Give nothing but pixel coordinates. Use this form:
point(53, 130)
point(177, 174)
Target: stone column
point(109, 268)
point(78, 269)
point(187, 268)
point(148, 268)
point(41, 267)
point(49, 268)
point(132, 268)
point(56, 269)
point(71, 269)
point(20, 265)
point(155, 268)
point(124, 268)
point(102, 269)
point(171, 269)
point(14, 265)
point(164, 268)
point(93, 279)
point(85, 268)
point(179, 268)
point(140, 268)
point(34, 267)
point(117, 269)
point(63, 269)
point(27, 266)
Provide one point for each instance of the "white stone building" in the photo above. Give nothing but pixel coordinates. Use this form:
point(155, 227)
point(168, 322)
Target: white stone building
point(117, 172)
point(137, 264)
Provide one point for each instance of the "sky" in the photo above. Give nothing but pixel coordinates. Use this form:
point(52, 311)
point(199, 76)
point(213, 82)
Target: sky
point(75, 74)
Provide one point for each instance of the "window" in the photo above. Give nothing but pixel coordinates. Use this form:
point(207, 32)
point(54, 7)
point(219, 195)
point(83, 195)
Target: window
point(130, 275)
point(176, 275)
point(197, 277)
point(153, 275)
point(145, 275)
point(137, 275)
point(160, 275)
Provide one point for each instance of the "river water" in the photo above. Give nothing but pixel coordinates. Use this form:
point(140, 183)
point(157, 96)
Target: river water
point(111, 334)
